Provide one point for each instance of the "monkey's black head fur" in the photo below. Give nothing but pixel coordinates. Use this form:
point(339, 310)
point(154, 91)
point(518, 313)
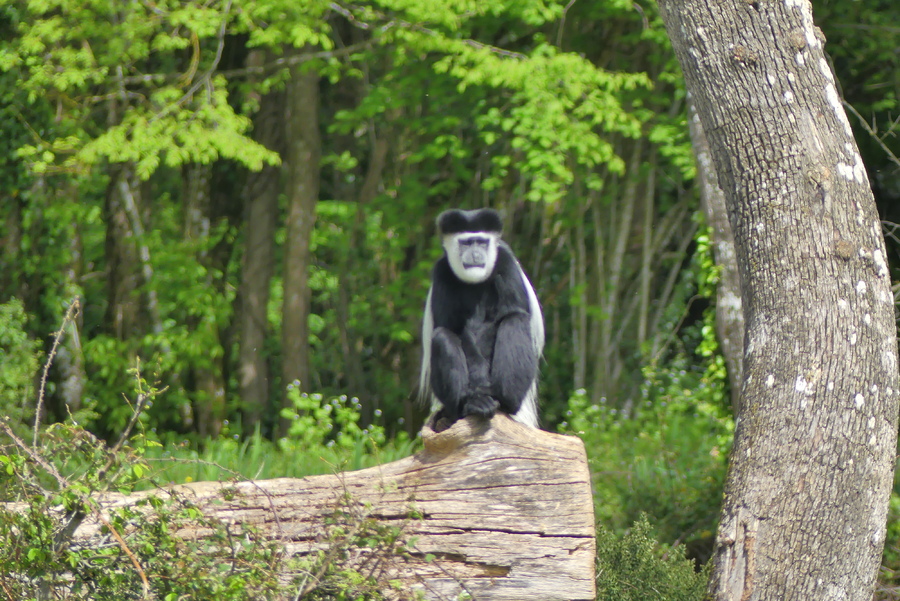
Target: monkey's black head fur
point(456, 221)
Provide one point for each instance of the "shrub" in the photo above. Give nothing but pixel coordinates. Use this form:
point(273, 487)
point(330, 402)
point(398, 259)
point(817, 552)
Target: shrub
point(19, 356)
point(636, 568)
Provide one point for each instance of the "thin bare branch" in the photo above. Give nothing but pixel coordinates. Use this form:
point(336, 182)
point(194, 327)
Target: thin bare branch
point(207, 75)
point(871, 131)
point(71, 313)
point(33, 455)
point(145, 584)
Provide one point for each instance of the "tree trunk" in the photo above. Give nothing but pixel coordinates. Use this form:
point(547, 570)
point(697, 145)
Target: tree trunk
point(811, 468)
point(69, 361)
point(606, 360)
point(493, 509)
point(257, 268)
point(11, 234)
point(303, 152)
point(209, 380)
point(729, 310)
point(122, 262)
point(353, 350)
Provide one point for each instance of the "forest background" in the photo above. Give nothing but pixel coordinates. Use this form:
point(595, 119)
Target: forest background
point(241, 196)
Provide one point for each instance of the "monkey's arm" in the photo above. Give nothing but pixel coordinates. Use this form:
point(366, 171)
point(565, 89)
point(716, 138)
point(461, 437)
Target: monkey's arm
point(460, 370)
point(515, 363)
point(449, 372)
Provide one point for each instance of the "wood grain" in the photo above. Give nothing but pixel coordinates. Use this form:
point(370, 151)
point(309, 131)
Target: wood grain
point(502, 511)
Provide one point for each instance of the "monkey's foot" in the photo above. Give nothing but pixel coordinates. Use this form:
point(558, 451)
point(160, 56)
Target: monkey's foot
point(442, 423)
point(481, 405)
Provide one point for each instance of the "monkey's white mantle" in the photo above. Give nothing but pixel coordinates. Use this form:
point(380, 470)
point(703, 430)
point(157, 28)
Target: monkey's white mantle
point(503, 511)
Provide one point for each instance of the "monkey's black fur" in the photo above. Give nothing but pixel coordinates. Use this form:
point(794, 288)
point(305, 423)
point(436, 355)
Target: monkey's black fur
point(484, 347)
point(455, 222)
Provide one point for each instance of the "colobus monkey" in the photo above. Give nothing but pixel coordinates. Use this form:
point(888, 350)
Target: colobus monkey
point(483, 331)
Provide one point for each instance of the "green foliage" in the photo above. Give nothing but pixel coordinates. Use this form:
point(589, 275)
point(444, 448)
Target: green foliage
point(635, 568)
point(81, 54)
point(324, 437)
point(564, 109)
point(340, 572)
point(667, 461)
point(175, 568)
point(665, 457)
point(19, 356)
point(331, 427)
point(146, 552)
point(58, 482)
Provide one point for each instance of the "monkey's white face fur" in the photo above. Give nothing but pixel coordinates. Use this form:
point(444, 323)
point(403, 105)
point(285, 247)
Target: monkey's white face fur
point(472, 255)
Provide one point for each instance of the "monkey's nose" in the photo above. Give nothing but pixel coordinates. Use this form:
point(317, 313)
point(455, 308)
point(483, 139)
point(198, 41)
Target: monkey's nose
point(475, 258)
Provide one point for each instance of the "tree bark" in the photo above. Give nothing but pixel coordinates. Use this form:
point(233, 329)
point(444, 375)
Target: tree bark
point(122, 262)
point(11, 234)
point(303, 153)
point(495, 509)
point(729, 310)
point(69, 361)
point(605, 381)
point(209, 380)
point(811, 469)
point(261, 213)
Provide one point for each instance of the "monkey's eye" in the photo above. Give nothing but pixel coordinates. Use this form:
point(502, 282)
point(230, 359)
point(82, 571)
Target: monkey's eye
point(473, 242)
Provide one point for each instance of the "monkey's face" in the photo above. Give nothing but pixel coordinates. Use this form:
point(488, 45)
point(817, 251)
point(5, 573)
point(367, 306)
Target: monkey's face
point(472, 255)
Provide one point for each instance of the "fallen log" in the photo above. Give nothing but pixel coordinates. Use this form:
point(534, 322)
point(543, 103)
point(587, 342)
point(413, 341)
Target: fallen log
point(492, 509)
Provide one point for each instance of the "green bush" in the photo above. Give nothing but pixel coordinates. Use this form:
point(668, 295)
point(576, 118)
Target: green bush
point(664, 454)
point(324, 437)
point(145, 561)
point(635, 568)
point(58, 482)
point(19, 356)
point(666, 461)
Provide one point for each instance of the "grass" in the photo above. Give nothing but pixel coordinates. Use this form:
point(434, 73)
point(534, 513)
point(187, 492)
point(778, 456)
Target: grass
point(258, 458)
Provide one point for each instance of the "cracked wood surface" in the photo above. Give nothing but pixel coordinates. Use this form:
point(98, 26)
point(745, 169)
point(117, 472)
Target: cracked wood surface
point(506, 511)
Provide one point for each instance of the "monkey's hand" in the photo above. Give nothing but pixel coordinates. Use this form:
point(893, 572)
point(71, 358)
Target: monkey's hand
point(481, 405)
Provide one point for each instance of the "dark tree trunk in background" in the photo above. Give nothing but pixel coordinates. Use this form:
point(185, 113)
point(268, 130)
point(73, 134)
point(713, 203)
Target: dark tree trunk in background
point(302, 162)
point(351, 340)
point(11, 233)
point(209, 381)
point(261, 213)
point(69, 361)
point(729, 310)
point(811, 469)
point(122, 261)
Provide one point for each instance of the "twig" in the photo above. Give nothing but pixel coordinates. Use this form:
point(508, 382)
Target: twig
point(207, 75)
point(279, 63)
point(297, 59)
point(871, 131)
point(138, 408)
point(32, 454)
point(6, 590)
point(347, 13)
point(124, 546)
point(562, 24)
point(70, 316)
point(890, 230)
